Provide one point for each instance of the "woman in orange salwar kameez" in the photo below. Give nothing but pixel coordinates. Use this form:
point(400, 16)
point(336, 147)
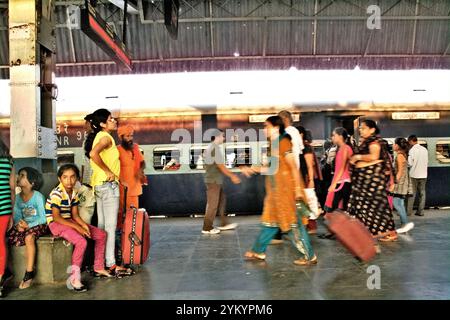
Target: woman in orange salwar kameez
point(283, 188)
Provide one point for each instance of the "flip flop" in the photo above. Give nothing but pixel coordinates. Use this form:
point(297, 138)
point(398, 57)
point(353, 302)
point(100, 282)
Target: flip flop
point(250, 255)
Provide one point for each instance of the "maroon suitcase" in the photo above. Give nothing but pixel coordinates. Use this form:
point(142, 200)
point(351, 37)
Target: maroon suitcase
point(135, 236)
point(352, 234)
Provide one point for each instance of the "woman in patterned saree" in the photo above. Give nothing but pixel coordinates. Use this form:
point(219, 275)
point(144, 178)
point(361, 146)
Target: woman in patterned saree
point(283, 187)
point(368, 198)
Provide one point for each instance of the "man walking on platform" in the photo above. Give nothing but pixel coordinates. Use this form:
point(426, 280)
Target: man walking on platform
point(215, 170)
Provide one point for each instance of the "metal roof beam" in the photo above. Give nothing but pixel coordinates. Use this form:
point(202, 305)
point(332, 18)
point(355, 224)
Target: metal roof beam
point(265, 36)
point(262, 19)
point(391, 7)
point(329, 4)
point(141, 10)
point(211, 29)
point(415, 28)
point(255, 58)
point(306, 18)
point(222, 6)
point(157, 38)
point(291, 8)
point(446, 50)
point(93, 63)
point(355, 5)
point(192, 7)
point(71, 43)
point(369, 38)
point(261, 4)
point(76, 3)
point(132, 8)
point(316, 7)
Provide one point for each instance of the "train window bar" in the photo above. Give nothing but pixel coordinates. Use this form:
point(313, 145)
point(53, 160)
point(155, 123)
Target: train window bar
point(443, 151)
point(196, 161)
point(264, 153)
point(166, 159)
point(238, 155)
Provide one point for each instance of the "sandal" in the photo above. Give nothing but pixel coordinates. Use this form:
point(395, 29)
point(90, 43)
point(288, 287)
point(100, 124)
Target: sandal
point(250, 255)
point(76, 287)
point(389, 238)
point(130, 269)
point(306, 262)
point(27, 280)
point(102, 274)
point(125, 271)
point(120, 272)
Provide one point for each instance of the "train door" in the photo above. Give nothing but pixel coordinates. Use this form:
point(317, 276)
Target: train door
point(349, 123)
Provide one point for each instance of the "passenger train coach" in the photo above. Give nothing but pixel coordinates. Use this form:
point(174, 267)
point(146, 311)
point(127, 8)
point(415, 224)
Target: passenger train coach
point(176, 188)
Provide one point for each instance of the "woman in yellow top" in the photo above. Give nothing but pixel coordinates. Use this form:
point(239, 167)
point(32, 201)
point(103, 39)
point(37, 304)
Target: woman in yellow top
point(101, 148)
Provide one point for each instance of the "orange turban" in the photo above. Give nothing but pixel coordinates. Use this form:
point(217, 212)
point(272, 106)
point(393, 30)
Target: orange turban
point(125, 130)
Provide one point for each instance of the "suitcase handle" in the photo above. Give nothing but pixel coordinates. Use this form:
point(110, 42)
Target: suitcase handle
point(124, 209)
point(134, 239)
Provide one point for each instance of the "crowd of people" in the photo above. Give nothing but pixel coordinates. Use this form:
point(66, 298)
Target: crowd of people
point(361, 179)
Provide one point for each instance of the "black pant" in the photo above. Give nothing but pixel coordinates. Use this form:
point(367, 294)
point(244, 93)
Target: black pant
point(419, 188)
point(343, 194)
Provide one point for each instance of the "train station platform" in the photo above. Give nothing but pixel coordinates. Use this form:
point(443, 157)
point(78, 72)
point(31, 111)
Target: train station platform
point(184, 264)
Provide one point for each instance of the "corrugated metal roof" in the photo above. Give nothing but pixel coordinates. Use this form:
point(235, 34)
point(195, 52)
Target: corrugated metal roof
point(429, 36)
point(266, 35)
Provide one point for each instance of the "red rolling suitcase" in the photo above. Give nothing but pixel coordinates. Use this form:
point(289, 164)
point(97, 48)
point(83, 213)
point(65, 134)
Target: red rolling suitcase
point(352, 234)
point(135, 236)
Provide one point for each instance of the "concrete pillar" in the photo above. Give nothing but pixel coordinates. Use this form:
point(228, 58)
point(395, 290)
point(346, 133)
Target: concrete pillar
point(32, 46)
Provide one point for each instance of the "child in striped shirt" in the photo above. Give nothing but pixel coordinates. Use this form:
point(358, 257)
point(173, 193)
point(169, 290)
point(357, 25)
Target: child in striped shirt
point(64, 221)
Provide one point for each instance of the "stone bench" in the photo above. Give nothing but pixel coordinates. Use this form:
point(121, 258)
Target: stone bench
point(53, 257)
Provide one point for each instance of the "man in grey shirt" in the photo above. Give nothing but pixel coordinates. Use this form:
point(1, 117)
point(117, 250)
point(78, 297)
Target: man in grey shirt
point(418, 171)
point(215, 170)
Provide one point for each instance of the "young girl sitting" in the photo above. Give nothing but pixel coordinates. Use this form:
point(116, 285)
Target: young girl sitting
point(29, 219)
point(64, 221)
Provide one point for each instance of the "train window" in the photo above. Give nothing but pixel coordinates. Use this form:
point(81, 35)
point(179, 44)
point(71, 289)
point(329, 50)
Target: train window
point(196, 160)
point(64, 157)
point(237, 155)
point(443, 151)
point(166, 159)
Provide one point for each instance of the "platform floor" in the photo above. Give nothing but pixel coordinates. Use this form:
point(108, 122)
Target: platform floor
point(184, 264)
